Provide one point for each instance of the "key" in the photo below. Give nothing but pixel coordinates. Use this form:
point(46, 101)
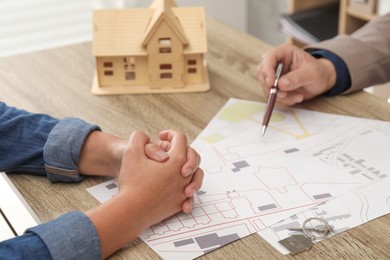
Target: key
point(323, 229)
point(297, 244)
point(319, 229)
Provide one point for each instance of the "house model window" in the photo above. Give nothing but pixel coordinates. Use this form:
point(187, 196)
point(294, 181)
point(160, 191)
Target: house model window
point(165, 45)
point(159, 49)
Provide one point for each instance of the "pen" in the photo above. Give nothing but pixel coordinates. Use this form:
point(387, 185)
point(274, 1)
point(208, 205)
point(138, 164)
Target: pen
point(271, 99)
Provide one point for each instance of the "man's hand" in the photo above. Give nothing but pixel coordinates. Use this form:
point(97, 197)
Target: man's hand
point(304, 77)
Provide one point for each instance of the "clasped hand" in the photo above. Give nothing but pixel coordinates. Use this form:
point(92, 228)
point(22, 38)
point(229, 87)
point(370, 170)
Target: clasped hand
point(156, 179)
point(162, 169)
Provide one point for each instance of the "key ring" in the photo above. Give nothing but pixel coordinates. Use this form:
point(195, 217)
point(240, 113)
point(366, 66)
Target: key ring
point(325, 229)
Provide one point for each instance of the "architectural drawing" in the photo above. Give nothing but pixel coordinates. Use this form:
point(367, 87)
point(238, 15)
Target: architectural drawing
point(363, 204)
point(252, 182)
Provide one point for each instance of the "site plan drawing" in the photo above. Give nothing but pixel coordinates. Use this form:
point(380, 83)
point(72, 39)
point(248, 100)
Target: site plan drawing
point(253, 182)
point(354, 208)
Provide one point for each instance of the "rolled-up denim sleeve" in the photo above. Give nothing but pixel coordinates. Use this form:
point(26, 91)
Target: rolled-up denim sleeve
point(62, 150)
point(40, 144)
point(27, 246)
point(71, 236)
point(22, 138)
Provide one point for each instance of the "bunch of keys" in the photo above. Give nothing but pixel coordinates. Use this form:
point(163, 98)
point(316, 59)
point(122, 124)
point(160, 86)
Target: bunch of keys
point(299, 243)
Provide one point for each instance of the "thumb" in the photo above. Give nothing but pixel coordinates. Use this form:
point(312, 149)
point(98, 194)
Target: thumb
point(136, 145)
point(178, 141)
point(295, 79)
point(155, 152)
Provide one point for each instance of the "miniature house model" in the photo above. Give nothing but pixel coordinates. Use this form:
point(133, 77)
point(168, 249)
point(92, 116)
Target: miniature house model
point(158, 49)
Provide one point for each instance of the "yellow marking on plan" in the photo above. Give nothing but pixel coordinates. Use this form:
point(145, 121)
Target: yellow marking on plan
point(246, 111)
point(241, 111)
point(214, 138)
point(305, 133)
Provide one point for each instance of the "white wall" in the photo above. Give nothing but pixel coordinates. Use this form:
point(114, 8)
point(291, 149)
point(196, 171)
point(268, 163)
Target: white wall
point(31, 25)
point(383, 6)
point(263, 19)
point(233, 12)
point(28, 25)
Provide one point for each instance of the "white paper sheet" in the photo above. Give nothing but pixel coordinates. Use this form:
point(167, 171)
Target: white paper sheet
point(357, 207)
point(252, 182)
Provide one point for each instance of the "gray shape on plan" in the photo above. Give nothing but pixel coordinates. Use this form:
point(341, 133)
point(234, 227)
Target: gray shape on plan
point(292, 150)
point(332, 155)
point(275, 206)
point(267, 207)
point(184, 242)
point(339, 217)
point(322, 196)
point(210, 241)
point(286, 226)
point(323, 214)
point(367, 132)
point(239, 165)
point(111, 186)
point(201, 192)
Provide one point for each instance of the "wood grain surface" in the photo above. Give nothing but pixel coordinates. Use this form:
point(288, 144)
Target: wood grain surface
point(58, 82)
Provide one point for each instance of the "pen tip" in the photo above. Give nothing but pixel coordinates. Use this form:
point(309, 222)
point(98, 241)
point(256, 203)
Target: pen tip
point(263, 130)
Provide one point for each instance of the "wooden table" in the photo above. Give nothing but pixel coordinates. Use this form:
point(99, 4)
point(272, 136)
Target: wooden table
point(58, 82)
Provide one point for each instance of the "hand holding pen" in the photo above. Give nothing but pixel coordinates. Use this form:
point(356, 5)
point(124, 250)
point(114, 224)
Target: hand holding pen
point(304, 77)
point(272, 99)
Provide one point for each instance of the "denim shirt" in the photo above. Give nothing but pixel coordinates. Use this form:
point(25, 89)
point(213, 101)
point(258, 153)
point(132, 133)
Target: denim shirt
point(41, 145)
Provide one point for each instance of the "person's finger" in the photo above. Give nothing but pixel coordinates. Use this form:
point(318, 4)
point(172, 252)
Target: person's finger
point(155, 152)
point(267, 68)
point(296, 78)
point(284, 54)
point(135, 149)
point(188, 204)
point(192, 164)
point(164, 145)
point(195, 184)
point(291, 98)
point(281, 94)
point(177, 140)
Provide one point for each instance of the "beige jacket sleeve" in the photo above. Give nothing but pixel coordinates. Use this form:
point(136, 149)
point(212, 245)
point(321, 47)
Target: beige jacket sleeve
point(366, 53)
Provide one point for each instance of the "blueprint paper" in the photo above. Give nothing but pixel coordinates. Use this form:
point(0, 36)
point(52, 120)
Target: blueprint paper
point(362, 152)
point(252, 182)
point(366, 203)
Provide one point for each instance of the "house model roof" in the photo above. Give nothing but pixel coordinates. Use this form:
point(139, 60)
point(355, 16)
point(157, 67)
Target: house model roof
point(125, 32)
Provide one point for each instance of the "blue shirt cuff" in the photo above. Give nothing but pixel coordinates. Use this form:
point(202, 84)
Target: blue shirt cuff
point(28, 246)
point(343, 78)
point(71, 236)
point(62, 150)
